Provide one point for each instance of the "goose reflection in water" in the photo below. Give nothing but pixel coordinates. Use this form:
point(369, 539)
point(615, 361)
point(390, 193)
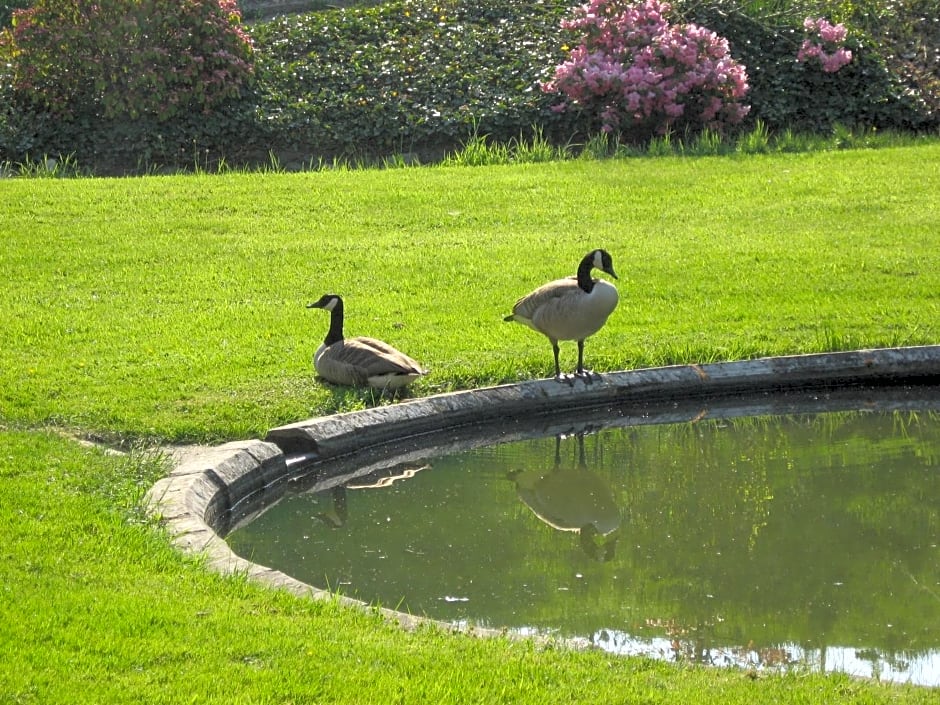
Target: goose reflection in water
point(336, 516)
point(573, 499)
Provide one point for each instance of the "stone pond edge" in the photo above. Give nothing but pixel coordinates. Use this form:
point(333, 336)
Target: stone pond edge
point(205, 484)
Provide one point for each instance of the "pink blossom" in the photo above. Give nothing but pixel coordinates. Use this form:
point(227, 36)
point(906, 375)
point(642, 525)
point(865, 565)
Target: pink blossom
point(808, 50)
point(836, 61)
point(824, 44)
point(834, 34)
point(674, 110)
point(633, 67)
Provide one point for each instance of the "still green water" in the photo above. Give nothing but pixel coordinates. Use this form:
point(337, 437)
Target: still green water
point(766, 541)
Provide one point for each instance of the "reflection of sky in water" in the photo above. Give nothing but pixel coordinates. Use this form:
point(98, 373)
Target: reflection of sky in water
point(920, 669)
point(923, 669)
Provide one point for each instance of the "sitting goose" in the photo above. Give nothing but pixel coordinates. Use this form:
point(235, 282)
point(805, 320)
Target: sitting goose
point(360, 362)
point(572, 308)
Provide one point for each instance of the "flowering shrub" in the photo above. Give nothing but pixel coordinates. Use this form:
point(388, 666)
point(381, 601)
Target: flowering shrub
point(637, 72)
point(420, 76)
point(786, 94)
point(127, 58)
point(824, 44)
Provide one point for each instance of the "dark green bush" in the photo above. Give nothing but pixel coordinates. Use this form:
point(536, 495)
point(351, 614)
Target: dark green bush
point(78, 68)
point(788, 94)
point(424, 75)
point(414, 72)
point(907, 35)
point(410, 73)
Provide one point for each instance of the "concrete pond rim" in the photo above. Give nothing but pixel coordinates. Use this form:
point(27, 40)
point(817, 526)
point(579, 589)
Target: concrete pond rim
point(212, 490)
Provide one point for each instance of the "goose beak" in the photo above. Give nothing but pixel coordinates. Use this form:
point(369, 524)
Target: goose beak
point(611, 273)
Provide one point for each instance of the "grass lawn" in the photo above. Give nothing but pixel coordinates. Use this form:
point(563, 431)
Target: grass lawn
point(174, 307)
point(171, 309)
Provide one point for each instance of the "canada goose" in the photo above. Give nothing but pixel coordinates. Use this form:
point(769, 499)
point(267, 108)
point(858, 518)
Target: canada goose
point(572, 308)
point(359, 361)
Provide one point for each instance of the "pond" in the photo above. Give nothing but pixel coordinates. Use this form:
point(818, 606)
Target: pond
point(806, 540)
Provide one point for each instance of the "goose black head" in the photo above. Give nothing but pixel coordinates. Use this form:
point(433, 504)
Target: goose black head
point(328, 302)
point(600, 259)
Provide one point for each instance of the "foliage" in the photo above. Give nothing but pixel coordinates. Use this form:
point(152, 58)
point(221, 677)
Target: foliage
point(127, 58)
point(418, 78)
point(907, 35)
point(637, 73)
point(409, 73)
point(348, 82)
point(119, 80)
point(479, 150)
point(789, 94)
point(7, 7)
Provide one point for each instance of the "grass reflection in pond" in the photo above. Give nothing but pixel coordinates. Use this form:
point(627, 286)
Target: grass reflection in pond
point(763, 540)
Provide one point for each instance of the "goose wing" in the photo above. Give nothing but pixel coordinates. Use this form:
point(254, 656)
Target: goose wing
point(358, 361)
point(562, 310)
point(545, 297)
point(376, 357)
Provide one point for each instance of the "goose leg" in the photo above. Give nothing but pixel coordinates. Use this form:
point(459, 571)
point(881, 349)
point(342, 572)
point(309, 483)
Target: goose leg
point(586, 375)
point(558, 375)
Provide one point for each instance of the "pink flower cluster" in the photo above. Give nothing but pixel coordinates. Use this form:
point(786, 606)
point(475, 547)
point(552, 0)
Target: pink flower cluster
point(636, 70)
point(824, 44)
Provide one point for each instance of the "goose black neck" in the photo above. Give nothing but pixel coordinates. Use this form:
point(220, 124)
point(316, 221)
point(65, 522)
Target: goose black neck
point(335, 334)
point(585, 281)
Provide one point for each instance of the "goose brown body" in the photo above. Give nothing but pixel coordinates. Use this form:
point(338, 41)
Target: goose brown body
point(360, 361)
point(572, 308)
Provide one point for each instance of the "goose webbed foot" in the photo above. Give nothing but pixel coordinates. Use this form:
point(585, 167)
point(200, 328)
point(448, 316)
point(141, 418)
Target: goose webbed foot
point(586, 376)
point(589, 376)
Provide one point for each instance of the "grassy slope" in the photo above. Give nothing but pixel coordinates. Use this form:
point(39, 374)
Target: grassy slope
point(174, 306)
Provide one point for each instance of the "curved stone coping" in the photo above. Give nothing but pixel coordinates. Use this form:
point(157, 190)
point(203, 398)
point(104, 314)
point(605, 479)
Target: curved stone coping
point(198, 499)
point(345, 433)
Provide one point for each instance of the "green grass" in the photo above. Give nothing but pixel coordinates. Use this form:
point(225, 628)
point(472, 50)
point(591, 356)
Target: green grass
point(173, 308)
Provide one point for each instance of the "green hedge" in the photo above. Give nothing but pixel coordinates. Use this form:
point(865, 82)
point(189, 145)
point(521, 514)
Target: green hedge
point(409, 75)
point(419, 76)
point(788, 94)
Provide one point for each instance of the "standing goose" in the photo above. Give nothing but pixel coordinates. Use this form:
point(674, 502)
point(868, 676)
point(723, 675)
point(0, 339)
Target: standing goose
point(572, 308)
point(573, 499)
point(360, 362)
